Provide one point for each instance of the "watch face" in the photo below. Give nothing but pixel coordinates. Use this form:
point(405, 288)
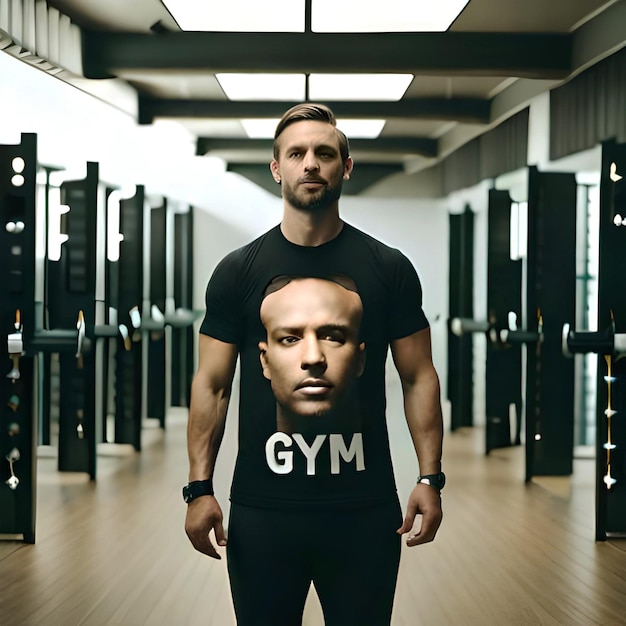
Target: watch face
point(440, 480)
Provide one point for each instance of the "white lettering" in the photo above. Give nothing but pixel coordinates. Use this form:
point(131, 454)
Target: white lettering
point(309, 453)
point(338, 447)
point(279, 462)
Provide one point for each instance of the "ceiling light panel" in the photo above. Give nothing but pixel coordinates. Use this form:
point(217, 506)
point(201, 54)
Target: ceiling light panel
point(354, 129)
point(260, 128)
point(288, 87)
point(238, 15)
point(361, 129)
point(355, 16)
point(215, 128)
point(263, 86)
point(389, 87)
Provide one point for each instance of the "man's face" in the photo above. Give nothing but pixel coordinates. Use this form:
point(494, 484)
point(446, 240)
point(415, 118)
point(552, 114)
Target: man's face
point(309, 165)
point(312, 355)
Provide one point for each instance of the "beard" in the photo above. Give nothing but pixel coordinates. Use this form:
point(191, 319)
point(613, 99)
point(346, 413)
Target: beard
point(301, 199)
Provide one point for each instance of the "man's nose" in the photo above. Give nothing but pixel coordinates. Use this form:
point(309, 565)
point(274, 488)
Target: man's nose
point(312, 354)
point(311, 162)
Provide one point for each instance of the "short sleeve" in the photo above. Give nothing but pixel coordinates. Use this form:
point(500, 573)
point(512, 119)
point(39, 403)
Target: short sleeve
point(223, 319)
point(406, 315)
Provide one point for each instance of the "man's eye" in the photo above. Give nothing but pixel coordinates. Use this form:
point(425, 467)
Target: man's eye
point(294, 155)
point(288, 340)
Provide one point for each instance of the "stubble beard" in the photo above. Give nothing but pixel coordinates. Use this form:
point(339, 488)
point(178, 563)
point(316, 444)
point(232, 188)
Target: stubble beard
point(321, 199)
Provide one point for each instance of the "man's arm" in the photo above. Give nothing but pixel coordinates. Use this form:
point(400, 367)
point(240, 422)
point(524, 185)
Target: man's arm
point(422, 406)
point(210, 393)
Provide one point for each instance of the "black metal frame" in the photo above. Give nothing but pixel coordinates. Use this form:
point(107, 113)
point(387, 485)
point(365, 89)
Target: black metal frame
point(611, 503)
point(503, 385)
point(17, 277)
point(461, 304)
point(551, 297)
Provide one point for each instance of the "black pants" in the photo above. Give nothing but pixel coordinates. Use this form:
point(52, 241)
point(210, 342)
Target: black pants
point(351, 556)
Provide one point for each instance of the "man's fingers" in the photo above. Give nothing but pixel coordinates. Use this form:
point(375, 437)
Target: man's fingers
point(420, 538)
point(220, 535)
point(202, 543)
point(409, 518)
point(427, 531)
point(208, 549)
point(204, 514)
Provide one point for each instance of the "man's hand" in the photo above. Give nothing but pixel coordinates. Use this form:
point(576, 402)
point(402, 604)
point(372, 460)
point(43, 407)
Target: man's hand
point(204, 514)
point(424, 501)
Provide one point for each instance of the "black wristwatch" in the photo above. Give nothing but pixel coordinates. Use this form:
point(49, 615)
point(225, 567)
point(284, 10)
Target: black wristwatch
point(436, 481)
point(197, 488)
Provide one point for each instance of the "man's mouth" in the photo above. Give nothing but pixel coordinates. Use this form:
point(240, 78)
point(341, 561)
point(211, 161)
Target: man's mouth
point(312, 181)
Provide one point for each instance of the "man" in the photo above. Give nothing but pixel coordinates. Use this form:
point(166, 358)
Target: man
point(339, 527)
point(312, 355)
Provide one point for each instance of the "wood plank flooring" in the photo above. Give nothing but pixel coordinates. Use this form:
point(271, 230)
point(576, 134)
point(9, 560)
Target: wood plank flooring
point(114, 552)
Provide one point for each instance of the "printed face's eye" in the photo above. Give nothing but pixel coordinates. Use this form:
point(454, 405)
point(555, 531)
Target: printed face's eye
point(334, 336)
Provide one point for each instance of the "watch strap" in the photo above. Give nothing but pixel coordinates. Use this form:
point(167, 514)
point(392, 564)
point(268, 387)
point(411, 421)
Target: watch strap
point(196, 489)
point(436, 481)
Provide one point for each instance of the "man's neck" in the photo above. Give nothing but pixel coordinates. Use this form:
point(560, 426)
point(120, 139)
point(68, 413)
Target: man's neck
point(311, 228)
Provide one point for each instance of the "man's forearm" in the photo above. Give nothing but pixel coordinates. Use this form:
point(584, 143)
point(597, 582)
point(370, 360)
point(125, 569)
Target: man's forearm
point(205, 429)
point(422, 407)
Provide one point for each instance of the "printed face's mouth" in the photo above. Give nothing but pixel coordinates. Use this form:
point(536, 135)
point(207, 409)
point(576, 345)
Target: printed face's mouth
point(314, 386)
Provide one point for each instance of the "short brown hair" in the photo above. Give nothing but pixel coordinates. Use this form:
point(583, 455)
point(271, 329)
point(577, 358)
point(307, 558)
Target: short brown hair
point(316, 113)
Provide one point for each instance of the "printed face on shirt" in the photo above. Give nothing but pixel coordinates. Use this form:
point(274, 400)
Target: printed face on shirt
point(312, 355)
point(309, 165)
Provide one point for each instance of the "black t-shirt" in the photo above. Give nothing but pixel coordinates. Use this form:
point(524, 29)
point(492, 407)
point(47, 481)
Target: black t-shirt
point(329, 463)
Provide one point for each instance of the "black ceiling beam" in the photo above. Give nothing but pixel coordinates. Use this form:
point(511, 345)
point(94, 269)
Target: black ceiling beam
point(470, 110)
point(528, 55)
point(391, 145)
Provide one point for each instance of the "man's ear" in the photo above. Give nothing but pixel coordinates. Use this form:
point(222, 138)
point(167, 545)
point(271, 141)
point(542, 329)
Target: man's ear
point(263, 358)
point(275, 169)
point(347, 168)
point(361, 367)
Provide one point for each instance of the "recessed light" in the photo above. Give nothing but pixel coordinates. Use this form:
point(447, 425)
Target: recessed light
point(330, 87)
point(354, 129)
point(348, 16)
point(263, 86)
point(286, 16)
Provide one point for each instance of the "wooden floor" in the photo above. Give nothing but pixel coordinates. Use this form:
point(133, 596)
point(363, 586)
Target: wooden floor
point(114, 552)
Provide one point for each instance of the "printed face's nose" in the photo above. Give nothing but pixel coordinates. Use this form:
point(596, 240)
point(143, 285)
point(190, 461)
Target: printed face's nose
point(312, 353)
